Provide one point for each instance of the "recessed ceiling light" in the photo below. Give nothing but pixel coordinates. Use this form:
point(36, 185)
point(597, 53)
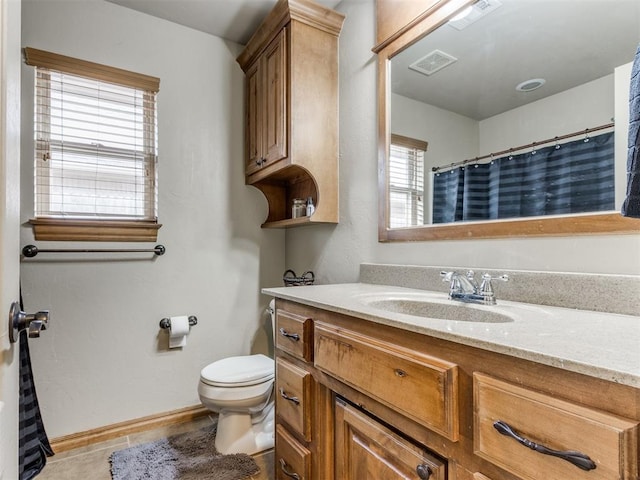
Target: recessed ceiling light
point(530, 85)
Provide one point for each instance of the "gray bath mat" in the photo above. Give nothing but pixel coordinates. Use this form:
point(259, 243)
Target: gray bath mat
point(187, 456)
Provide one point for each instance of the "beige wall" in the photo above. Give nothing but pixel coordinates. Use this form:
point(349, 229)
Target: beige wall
point(587, 105)
point(104, 359)
point(335, 252)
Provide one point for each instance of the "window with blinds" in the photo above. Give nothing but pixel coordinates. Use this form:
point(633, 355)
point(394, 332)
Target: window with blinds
point(95, 137)
point(406, 182)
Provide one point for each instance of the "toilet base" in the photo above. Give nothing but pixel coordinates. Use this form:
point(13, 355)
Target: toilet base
point(238, 434)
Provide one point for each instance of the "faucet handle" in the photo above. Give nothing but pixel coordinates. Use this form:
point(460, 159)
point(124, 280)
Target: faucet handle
point(486, 288)
point(446, 276)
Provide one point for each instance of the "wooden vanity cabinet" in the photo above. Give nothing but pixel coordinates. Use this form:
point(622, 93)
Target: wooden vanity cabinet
point(385, 403)
point(291, 134)
point(304, 407)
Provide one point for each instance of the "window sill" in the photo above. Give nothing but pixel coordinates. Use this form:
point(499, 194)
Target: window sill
point(94, 230)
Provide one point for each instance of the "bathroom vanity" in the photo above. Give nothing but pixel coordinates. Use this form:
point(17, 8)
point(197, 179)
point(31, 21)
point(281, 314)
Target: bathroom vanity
point(382, 382)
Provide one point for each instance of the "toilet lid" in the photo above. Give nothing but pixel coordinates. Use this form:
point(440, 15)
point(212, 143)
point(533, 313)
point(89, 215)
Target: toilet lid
point(239, 371)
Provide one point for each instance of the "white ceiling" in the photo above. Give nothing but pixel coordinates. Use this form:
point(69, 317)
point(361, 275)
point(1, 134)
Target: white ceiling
point(234, 20)
point(566, 42)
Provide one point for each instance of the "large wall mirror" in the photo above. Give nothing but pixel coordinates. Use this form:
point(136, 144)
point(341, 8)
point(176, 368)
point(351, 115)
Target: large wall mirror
point(509, 118)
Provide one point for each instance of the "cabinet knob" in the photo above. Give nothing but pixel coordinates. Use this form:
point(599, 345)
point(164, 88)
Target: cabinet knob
point(261, 161)
point(424, 471)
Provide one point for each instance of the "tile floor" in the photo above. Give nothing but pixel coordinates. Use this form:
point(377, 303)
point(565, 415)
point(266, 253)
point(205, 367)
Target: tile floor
point(92, 462)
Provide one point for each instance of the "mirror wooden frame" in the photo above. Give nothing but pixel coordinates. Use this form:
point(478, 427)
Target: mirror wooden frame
point(436, 13)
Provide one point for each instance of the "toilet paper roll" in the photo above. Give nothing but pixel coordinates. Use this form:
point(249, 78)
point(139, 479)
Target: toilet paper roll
point(178, 331)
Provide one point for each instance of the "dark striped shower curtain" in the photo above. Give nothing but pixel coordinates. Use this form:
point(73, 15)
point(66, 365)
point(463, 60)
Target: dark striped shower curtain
point(573, 177)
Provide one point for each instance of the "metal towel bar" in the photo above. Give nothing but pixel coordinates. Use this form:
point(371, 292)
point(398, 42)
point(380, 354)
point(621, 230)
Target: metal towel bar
point(31, 250)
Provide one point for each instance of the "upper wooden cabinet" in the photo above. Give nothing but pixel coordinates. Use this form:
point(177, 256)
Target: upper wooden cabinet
point(291, 67)
point(267, 110)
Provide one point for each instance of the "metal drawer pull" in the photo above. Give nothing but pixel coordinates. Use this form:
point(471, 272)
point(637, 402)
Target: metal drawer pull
point(295, 400)
point(292, 336)
point(578, 459)
point(424, 471)
point(400, 373)
point(283, 467)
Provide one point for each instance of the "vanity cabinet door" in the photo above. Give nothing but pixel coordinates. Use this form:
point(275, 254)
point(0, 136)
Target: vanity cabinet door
point(365, 449)
point(564, 433)
point(419, 386)
point(293, 397)
point(292, 460)
point(294, 334)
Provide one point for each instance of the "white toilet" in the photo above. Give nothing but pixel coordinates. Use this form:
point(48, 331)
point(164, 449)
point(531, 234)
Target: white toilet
point(241, 390)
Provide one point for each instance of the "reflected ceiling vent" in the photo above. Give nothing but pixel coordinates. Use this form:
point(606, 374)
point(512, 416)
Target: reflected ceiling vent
point(432, 62)
point(474, 13)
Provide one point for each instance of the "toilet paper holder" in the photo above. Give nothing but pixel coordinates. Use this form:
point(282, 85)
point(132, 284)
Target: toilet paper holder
point(165, 323)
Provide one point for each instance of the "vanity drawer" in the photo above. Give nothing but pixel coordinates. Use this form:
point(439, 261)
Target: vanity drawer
point(291, 458)
point(294, 334)
point(610, 442)
point(293, 397)
point(419, 386)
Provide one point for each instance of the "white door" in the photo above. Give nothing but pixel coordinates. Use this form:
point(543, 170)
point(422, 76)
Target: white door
point(10, 64)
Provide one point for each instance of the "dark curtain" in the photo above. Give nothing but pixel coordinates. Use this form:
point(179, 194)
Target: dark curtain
point(574, 177)
point(631, 205)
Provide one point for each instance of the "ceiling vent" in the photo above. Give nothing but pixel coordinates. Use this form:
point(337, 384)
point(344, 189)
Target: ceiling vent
point(432, 62)
point(479, 10)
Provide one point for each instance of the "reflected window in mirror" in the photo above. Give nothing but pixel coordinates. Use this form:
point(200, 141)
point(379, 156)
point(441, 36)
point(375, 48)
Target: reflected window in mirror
point(406, 181)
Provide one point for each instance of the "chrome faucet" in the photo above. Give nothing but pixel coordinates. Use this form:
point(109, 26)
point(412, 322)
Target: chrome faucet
point(464, 288)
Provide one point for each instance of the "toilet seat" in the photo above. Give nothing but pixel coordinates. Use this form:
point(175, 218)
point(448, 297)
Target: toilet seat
point(240, 371)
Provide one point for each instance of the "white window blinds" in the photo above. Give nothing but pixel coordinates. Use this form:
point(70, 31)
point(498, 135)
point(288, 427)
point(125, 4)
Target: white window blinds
point(406, 182)
point(95, 141)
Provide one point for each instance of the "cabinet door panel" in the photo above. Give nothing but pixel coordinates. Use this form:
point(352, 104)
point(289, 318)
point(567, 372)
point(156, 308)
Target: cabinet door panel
point(276, 101)
point(367, 449)
point(293, 397)
point(291, 458)
point(294, 334)
point(254, 120)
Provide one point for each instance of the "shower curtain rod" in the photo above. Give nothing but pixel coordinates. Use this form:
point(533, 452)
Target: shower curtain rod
point(522, 147)
point(31, 250)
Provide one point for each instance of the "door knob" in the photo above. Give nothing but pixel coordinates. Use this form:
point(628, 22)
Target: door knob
point(19, 320)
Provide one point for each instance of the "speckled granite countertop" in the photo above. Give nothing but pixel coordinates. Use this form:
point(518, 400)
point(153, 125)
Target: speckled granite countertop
point(602, 345)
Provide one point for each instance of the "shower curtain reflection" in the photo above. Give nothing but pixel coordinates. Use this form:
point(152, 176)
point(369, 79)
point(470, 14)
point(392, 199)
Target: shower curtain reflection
point(573, 177)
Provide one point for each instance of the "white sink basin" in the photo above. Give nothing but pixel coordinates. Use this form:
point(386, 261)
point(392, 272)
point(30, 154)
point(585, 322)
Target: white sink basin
point(434, 305)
